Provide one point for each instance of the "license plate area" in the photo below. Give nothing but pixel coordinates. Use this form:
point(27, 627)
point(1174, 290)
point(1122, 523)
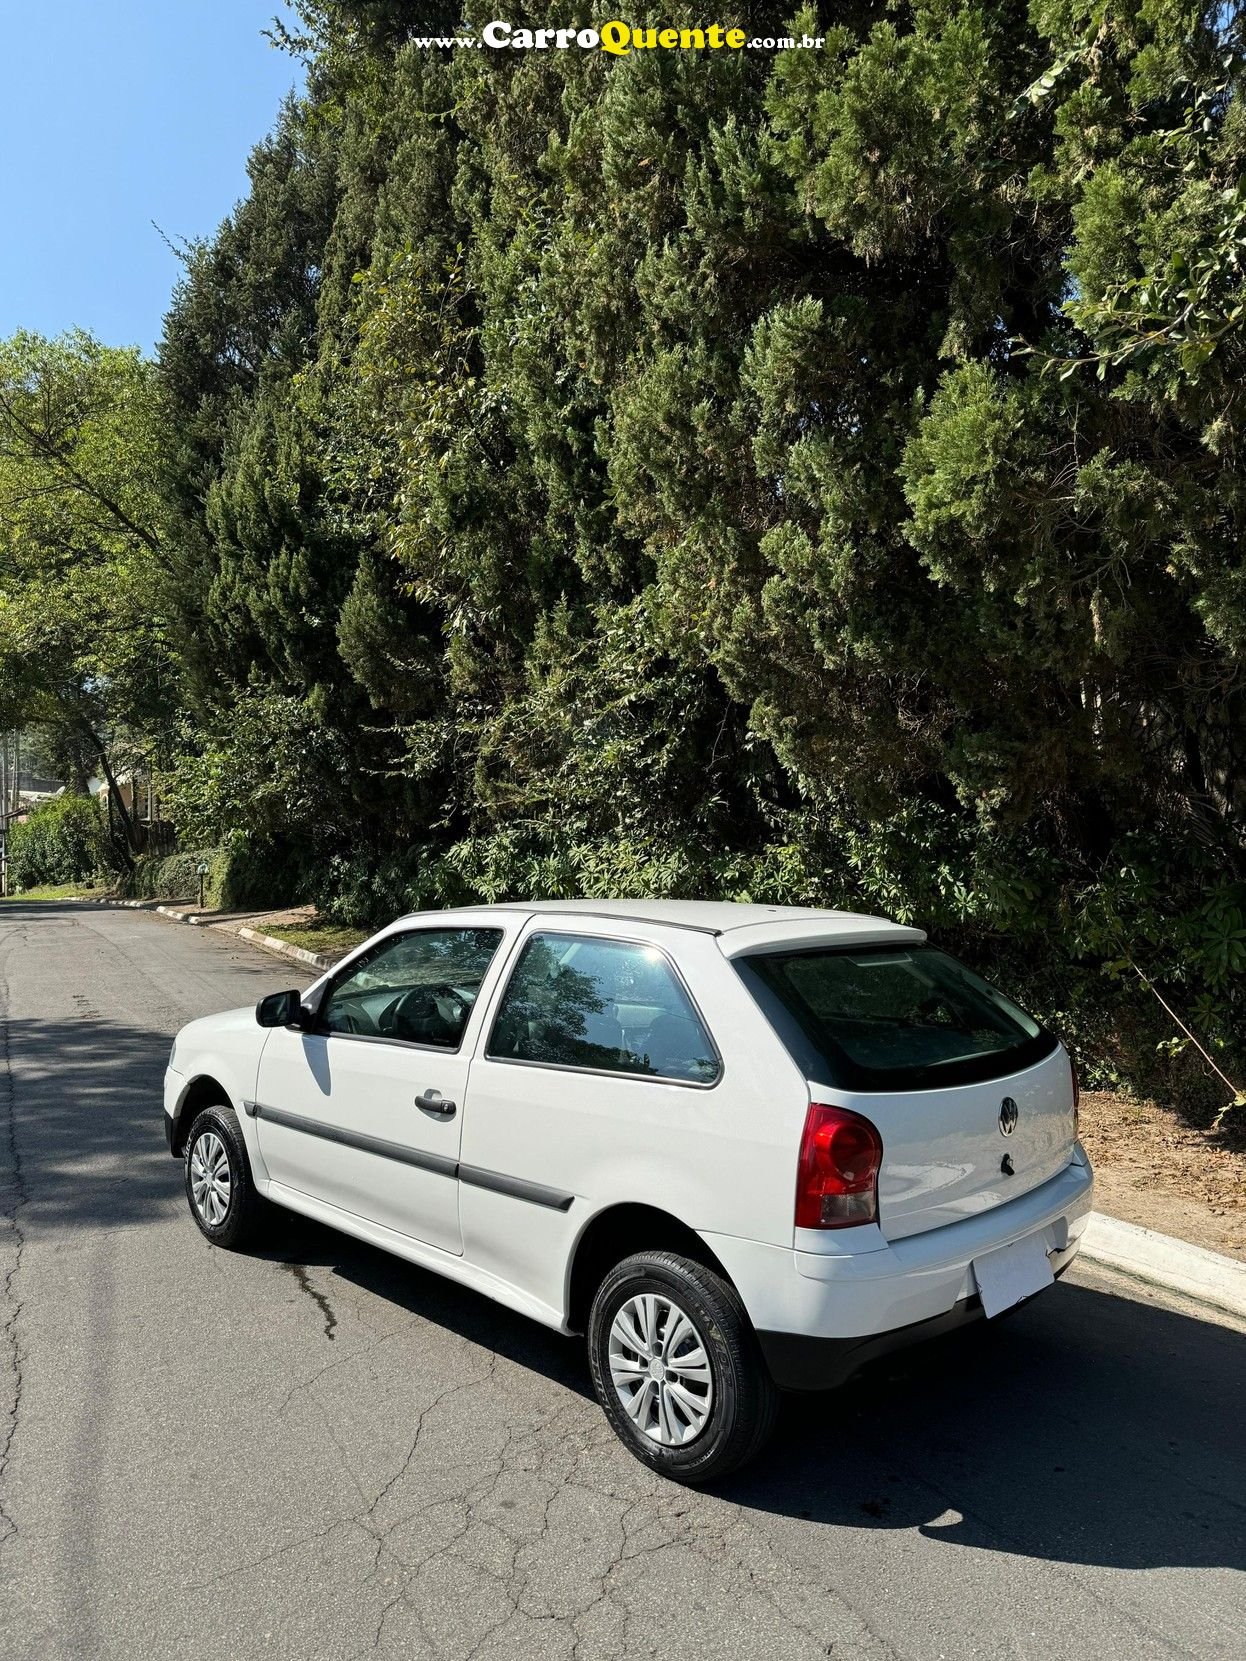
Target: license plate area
point(1012, 1273)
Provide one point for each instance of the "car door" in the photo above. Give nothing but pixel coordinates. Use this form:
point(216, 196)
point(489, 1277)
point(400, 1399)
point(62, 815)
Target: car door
point(365, 1110)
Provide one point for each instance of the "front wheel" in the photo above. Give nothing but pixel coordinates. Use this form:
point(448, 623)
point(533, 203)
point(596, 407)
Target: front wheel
point(677, 1369)
point(222, 1196)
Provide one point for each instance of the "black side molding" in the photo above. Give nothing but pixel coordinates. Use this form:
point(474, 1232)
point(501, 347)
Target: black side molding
point(519, 1188)
point(439, 1163)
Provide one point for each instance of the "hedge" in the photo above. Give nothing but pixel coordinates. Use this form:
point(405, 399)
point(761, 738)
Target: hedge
point(61, 840)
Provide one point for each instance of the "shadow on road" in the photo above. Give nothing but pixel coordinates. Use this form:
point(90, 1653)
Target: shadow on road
point(457, 1309)
point(88, 1086)
point(90, 1127)
point(1087, 1429)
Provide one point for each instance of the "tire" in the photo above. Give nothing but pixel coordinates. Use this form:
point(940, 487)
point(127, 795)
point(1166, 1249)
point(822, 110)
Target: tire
point(229, 1212)
point(725, 1410)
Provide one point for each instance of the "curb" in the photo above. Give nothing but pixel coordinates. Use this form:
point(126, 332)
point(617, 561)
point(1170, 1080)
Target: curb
point(1161, 1260)
point(269, 942)
point(282, 947)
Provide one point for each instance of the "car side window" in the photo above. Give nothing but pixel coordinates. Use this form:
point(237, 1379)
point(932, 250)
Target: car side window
point(417, 987)
point(610, 1005)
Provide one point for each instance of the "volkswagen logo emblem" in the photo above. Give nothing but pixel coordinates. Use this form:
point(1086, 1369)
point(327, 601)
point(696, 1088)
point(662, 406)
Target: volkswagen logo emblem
point(1007, 1116)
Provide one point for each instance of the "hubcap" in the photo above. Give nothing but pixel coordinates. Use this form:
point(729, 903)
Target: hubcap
point(661, 1370)
point(209, 1178)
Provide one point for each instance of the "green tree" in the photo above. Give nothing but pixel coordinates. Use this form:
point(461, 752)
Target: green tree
point(84, 650)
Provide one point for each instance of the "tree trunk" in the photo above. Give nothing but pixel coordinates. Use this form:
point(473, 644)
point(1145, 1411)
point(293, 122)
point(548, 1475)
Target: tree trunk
point(131, 841)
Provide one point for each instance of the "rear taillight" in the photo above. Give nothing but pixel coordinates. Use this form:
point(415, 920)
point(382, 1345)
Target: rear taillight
point(837, 1179)
point(1077, 1098)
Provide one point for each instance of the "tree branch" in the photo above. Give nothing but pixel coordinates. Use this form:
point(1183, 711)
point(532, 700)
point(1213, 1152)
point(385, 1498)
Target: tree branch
point(44, 446)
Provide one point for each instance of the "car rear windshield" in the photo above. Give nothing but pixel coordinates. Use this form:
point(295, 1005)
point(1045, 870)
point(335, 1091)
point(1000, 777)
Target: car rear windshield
point(891, 1017)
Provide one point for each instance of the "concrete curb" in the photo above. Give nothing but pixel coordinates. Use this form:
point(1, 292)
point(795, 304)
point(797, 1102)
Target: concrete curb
point(283, 948)
point(269, 942)
point(1163, 1261)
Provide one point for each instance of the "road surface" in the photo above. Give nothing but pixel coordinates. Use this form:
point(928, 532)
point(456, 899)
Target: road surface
point(322, 1452)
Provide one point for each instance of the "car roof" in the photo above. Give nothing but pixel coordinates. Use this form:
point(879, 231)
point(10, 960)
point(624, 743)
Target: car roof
point(743, 927)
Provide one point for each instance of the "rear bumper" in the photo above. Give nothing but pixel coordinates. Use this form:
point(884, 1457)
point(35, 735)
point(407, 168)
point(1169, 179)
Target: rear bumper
point(821, 1315)
point(798, 1362)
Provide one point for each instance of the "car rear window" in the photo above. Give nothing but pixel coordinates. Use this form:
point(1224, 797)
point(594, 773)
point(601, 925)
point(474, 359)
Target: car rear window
point(891, 1017)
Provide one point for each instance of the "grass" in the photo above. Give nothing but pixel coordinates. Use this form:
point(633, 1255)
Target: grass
point(60, 891)
point(318, 935)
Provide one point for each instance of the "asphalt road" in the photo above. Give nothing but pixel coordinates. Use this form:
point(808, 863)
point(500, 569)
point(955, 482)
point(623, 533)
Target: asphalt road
point(322, 1452)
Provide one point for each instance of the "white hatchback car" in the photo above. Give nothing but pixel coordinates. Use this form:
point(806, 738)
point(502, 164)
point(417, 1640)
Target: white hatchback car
point(743, 1147)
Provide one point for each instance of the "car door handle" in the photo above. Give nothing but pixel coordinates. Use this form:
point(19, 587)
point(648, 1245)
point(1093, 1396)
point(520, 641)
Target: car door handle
point(435, 1105)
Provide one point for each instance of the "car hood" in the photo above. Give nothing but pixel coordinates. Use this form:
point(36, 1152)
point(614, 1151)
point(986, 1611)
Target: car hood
point(230, 1023)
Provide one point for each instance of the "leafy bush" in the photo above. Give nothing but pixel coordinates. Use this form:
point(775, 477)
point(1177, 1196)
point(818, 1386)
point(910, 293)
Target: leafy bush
point(265, 872)
point(174, 877)
point(240, 874)
point(61, 841)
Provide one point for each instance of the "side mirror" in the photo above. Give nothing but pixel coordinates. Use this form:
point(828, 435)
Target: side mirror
point(279, 1009)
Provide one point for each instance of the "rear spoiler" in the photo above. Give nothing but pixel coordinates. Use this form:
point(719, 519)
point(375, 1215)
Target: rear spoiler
point(808, 933)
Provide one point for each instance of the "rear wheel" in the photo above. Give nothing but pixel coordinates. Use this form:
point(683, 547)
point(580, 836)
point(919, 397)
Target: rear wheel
point(677, 1369)
point(222, 1196)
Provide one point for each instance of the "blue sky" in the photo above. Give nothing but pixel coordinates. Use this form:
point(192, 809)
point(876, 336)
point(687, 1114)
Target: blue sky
point(116, 113)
